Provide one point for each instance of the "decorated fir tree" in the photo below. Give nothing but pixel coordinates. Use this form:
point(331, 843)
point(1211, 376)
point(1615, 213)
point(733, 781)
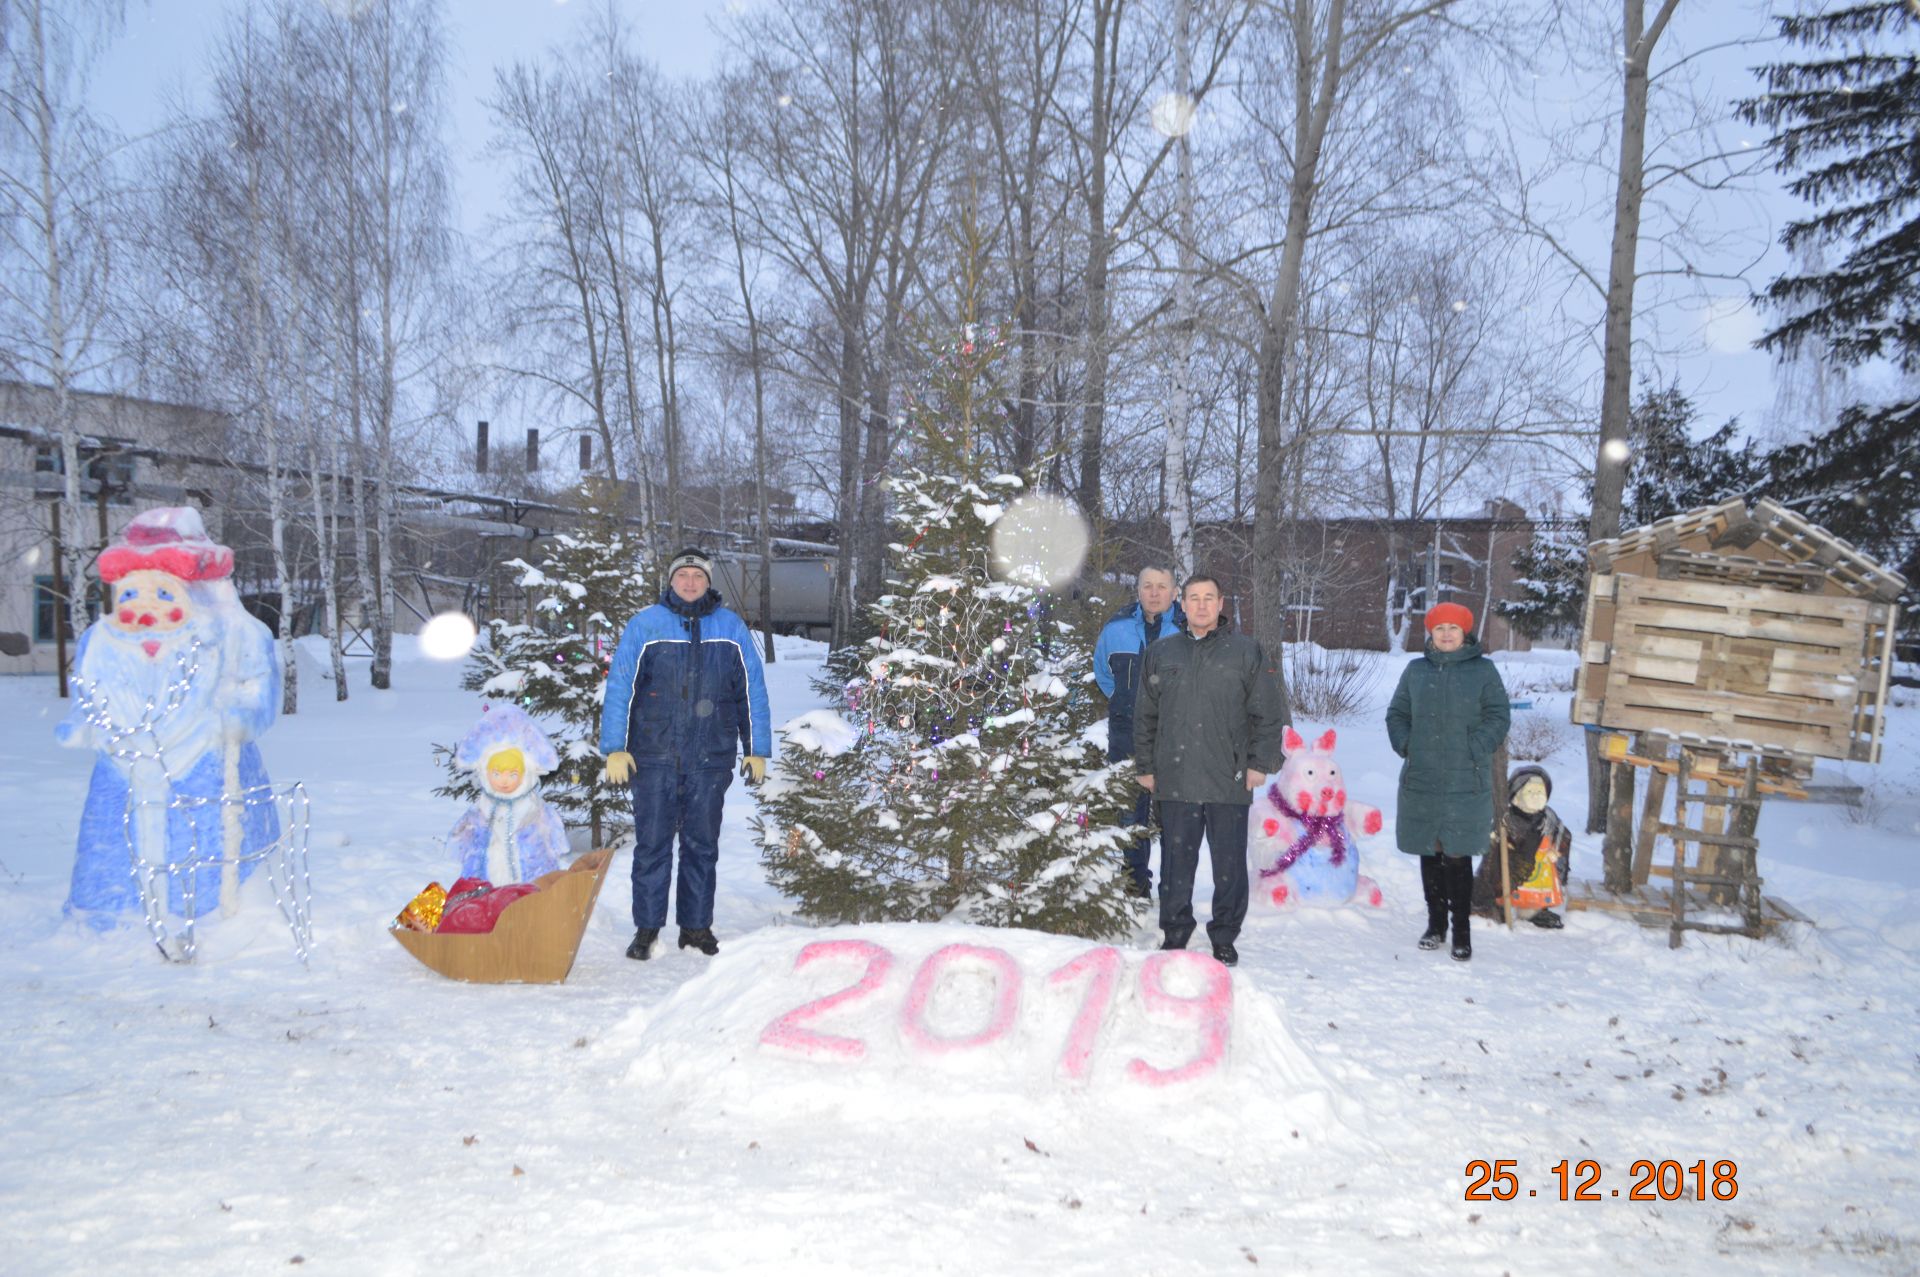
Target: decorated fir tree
point(957, 778)
point(586, 587)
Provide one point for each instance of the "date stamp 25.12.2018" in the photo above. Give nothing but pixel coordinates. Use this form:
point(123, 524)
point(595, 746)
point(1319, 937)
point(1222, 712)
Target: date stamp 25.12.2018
point(1652, 1181)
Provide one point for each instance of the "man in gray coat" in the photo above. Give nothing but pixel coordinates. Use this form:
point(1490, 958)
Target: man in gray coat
point(1207, 732)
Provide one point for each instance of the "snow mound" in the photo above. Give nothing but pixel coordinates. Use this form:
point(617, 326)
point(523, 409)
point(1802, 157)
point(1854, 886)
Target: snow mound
point(901, 1021)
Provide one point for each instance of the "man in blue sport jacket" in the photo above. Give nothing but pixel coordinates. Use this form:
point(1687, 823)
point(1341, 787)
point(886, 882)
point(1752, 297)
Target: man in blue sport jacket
point(1116, 667)
point(685, 688)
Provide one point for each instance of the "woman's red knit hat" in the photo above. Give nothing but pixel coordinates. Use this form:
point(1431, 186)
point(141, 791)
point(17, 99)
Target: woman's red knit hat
point(1450, 614)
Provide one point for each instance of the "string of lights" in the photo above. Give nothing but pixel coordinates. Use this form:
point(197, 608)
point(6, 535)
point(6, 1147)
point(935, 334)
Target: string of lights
point(147, 823)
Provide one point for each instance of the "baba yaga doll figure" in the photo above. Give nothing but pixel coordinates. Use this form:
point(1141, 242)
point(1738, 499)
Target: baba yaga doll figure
point(1447, 720)
point(509, 834)
point(1537, 846)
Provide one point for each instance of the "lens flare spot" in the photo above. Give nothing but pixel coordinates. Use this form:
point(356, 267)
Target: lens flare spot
point(448, 636)
point(1173, 114)
point(1040, 541)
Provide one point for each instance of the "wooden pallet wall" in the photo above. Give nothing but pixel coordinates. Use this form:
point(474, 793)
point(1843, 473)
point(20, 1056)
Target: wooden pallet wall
point(1773, 671)
point(1743, 627)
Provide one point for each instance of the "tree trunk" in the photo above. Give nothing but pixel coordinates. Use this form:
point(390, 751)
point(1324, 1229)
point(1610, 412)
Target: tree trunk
point(381, 674)
point(664, 358)
point(1610, 465)
point(1177, 493)
point(871, 567)
point(326, 500)
point(264, 393)
point(55, 327)
point(1313, 109)
point(846, 504)
point(1093, 422)
point(765, 537)
point(350, 316)
point(1616, 387)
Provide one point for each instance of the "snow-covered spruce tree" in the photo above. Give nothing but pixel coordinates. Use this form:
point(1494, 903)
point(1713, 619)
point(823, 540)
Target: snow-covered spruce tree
point(588, 584)
point(1550, 581)
point(957, 780)
point(1845, 121)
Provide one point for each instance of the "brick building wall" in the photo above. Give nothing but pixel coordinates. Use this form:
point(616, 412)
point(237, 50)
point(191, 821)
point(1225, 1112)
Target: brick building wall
point(1351, 579)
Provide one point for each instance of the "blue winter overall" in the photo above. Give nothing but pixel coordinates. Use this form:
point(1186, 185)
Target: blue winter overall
point(685, 689)
point(1117, 656)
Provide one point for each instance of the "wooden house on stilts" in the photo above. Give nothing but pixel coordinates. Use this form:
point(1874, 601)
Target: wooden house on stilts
point(1723, 651)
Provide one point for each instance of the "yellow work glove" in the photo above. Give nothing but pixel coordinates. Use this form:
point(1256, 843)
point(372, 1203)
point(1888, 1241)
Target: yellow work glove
point(619, 766)
point(754, 768)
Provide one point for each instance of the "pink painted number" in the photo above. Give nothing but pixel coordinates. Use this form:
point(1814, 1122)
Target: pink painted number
point(913, 1016)
point(1211, 1009)
point(787, 1032)
point(1077, 1059)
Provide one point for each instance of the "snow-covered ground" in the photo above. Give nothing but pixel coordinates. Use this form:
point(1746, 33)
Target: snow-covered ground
point(244, 1114)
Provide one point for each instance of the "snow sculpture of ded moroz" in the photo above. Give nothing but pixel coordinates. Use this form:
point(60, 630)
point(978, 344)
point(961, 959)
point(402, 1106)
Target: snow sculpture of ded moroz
point(1303, 843)
point(172, 685)
point(509, 834)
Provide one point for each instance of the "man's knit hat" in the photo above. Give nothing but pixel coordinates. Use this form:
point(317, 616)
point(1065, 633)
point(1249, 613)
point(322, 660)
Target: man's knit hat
point(691, 558)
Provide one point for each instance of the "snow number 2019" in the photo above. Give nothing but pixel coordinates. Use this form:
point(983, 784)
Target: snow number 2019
point(1209, 1009)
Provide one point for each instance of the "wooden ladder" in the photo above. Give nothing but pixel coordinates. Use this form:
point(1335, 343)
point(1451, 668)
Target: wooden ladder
point(1734, 864)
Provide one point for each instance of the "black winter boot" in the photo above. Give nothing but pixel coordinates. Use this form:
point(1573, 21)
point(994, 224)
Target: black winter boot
point(642, 947)
point(700, 938)
point(1459, 871)
point(1430, 883)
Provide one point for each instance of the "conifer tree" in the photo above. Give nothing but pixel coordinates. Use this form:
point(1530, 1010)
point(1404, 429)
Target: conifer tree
point(1550, 581)
point(1668, 472)
point(588, 584)
point(957, 779)
point(1846, 123)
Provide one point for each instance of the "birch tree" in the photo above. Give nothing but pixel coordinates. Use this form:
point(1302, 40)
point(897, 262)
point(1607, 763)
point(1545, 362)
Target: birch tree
point(655, 186)
point(1122, 63)
point(1174, 116)
point(373, 76)
point(1328, 57)
point(231, 213)
point(719, 155)
point(58, 189)
point(556, 294)
point(847, 110)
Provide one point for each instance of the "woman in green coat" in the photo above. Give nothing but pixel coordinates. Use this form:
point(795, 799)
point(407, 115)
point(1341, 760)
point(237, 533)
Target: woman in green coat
point(1447, 719)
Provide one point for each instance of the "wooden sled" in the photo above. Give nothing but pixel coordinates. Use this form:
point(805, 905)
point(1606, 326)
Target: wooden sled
point(536, 938)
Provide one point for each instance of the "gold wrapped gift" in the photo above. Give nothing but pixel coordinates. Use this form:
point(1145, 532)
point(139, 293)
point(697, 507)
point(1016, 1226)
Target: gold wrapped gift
point(423, 912)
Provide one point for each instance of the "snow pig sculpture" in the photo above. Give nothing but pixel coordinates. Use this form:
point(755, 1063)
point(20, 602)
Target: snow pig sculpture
point(1303, 844)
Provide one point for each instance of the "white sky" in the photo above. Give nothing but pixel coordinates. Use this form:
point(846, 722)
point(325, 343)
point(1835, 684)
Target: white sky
point(161, 55)
point(161, 51)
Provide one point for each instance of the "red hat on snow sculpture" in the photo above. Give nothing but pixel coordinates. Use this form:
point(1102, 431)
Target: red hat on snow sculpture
point(171, 539)
point(1450, 614)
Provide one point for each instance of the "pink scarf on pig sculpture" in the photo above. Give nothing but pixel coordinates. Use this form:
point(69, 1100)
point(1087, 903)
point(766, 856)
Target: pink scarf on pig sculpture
point(1313, 829)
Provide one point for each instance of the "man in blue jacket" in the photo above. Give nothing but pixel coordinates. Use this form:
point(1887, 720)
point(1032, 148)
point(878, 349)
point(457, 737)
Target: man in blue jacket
point(1117, 659)
point(685, 688)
